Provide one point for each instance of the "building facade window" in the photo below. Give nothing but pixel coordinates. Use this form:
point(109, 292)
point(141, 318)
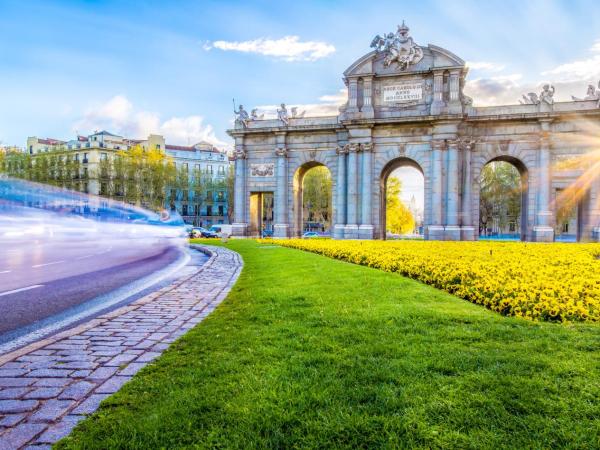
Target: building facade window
point(103, 156)
point(184, 210)
point(209, 210)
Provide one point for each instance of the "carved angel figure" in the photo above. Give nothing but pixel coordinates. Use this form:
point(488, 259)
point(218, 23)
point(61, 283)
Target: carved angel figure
point(547, 94)
point(592, 94)
point(282, 114)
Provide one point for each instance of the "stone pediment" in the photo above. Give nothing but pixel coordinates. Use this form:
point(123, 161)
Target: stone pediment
point(434, 57)
point(400, 78)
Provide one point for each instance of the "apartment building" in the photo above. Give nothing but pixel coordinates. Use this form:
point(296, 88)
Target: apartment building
point(204, 209)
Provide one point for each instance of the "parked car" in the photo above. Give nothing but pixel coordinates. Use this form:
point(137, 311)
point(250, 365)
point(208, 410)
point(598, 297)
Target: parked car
point(189, 229)
point(199, 232)
point(310, 235)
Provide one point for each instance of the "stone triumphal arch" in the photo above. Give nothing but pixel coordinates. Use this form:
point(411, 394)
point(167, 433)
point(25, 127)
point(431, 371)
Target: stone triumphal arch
point(406, 106)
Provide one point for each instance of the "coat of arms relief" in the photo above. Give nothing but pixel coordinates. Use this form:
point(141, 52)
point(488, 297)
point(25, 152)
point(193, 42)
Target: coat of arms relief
point(398, 47)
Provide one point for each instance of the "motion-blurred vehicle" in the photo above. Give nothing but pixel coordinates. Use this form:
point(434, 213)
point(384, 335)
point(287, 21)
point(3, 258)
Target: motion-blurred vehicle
point(199, 232)
point(222, 230)
point(189, 229)
point(310, 235)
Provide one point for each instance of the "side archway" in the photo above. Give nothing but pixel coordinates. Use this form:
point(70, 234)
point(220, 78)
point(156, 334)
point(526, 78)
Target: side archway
point(493, 220)
point(312, 208)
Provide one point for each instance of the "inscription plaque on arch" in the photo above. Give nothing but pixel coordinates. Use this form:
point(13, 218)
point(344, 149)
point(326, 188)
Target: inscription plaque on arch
point(403, 92)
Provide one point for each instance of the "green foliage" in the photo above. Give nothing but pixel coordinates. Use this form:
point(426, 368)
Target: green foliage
point(316, 196)
point(382, 362)
point(399, 219)
point(500, 195)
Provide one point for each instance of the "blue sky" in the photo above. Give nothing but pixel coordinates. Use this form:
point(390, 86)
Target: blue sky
point(173, 67)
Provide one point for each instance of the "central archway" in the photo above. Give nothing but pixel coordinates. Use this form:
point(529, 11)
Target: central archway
point(313, 199)
point(412, 177)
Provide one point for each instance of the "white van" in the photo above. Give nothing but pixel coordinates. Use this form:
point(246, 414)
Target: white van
point(222, 230)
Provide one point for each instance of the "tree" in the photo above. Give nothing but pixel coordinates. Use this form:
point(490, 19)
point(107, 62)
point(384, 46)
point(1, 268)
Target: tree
point(399, 219)
point(316, 196)
point(500, 196)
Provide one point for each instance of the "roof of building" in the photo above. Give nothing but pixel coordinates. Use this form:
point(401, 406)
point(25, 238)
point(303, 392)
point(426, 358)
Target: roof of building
point(105, 133)
point(202, 146)
point(50, 141)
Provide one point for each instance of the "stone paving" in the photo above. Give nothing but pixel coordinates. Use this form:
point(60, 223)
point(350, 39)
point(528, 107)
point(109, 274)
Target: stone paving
point(47, 387)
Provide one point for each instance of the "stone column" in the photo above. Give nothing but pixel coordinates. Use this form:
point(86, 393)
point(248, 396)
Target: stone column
point(340, 186)
point(365, 230)
point(436, 229)
point(367, 109)
point(351, 229)
point(281, 226)
point(594, 214)
point(437, 106)
point(240, 224)
point(467, 228)
point(454, 104)
point(543, 231)
point(452, 229)
point(352, 95)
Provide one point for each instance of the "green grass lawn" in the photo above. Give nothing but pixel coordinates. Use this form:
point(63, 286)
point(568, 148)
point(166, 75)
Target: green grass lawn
point(312, 352)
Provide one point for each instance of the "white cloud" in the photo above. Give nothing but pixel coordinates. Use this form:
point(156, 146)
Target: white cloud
point(288, 48)
point(485, 66)
point(578, 70)
point(569, 79)
point(119, 116)
point(328, 105)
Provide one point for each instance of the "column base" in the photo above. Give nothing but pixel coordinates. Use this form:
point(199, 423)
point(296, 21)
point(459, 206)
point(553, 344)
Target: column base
point(281, 231)
point(239, 229)
point(434, 233)
point(543, 234)
point(467, 233)
point(596, 234)
point(351, 232)
point(452, 233)
point(338, 231)
point(365, 232)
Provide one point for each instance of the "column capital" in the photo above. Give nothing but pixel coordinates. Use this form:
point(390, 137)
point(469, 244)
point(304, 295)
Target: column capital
point(453, 144)
point(341, 150)
point(281, 151)
point(467, 143)
point(366, 147)
point(438, 144)
point(353, 147)
point(239, 153)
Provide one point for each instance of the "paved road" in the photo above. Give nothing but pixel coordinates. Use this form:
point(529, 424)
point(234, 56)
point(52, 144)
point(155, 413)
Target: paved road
point(43, 279)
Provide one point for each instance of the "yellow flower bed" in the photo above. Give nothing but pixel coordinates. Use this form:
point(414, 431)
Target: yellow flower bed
point(556, 282)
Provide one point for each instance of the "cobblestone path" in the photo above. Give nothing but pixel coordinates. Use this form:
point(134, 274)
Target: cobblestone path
point(49, 386)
